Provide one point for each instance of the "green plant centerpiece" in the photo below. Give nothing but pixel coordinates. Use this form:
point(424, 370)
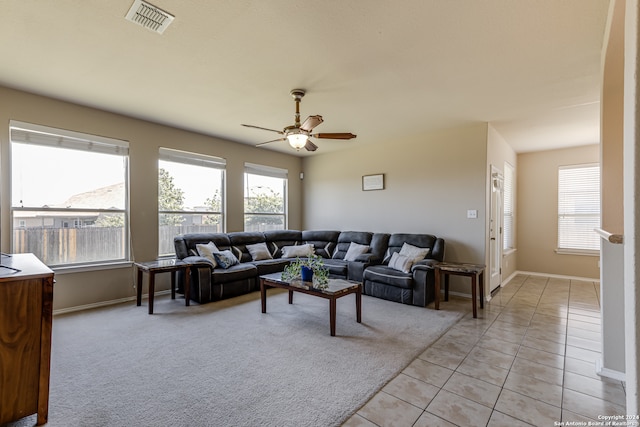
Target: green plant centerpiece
point(314, 262)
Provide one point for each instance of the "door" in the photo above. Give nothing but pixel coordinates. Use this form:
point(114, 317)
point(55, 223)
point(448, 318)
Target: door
point(495, 229)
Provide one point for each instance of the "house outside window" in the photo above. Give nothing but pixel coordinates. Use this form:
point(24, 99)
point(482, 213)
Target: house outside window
point(508, 202)
point(190, 196)
point(265, 198)
point(69, 196)
point(578, 209)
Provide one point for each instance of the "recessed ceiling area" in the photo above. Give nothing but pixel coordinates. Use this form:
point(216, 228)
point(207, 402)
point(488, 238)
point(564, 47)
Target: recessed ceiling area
point(382, 70)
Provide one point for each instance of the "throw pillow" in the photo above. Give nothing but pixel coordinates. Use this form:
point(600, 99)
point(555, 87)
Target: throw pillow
point(354, 250)
point(207, 252)
point(400, 262)
point(297, 251)
point(225, 259)
point(415, 253)
point(259, 251)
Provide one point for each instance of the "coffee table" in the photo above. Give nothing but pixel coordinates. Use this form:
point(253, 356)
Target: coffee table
point(336, 288)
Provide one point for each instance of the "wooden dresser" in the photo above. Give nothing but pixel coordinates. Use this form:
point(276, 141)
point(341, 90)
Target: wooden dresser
point(26, 304)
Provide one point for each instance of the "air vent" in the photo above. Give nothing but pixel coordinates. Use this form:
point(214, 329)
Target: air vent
point(149, 16)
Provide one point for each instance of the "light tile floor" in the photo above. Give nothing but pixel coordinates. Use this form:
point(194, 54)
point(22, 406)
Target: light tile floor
point(527, 360)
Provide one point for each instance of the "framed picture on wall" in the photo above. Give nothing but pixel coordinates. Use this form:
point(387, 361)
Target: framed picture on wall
point(373, 182)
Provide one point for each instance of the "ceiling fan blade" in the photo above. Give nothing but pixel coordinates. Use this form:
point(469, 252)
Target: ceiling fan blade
point(258, 127)
point(273, 140)
point(310, 146)
point(311, 122)
point(343, 135)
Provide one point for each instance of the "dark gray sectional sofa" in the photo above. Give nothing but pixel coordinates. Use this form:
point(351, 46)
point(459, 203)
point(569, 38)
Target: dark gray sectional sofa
point(210, 284)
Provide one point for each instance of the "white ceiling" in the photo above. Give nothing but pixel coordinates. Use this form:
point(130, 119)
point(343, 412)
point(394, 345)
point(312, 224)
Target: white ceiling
point(384, 70)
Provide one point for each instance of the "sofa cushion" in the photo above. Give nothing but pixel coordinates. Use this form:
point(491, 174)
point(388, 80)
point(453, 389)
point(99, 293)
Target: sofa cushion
point(324, 241)
point(259, 251)
point(185, 243)
point(354, 250)
point(268, 266)
point(396, 241)
point(225, 259)
point(297, 251)
point(413, 252)
point(400, 262)
point(277, 239)
point(234, 273)
point(336, 267)
point(239, 241)
point(345, 238)
point(389, 276)
point(207, 251)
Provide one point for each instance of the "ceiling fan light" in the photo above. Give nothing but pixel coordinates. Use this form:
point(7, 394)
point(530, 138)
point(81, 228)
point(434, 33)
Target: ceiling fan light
point(297, 140)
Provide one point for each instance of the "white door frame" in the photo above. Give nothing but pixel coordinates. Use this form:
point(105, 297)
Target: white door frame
point(495, 229)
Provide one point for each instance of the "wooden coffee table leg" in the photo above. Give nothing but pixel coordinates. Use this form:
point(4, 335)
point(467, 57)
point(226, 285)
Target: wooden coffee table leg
point(290, 297)
point(446, 286)
point(474, 296)
point(152, 290)
point(332, 316)
point(263, 295)
point(436, 296)
point(173, 285)
point(481, 287)
point(139, 288)
point(359, 305)
point(187, 286)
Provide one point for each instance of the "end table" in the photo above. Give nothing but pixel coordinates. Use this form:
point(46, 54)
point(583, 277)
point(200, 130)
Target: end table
point(475, 271)
point(162, 266)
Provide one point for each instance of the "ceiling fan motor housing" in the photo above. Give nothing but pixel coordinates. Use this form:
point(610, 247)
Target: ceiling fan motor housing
point(298, 134)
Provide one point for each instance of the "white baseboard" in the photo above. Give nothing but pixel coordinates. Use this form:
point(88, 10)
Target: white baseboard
point(505, 282)
point(104, 303)
point(558, 276)
point(508, 279)
point(609, 373)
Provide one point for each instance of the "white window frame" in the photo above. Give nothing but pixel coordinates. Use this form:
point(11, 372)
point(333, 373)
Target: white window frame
point(509, 220)
point(33, 134)
point(581, 240)
point(194, 159)
point(268, 171)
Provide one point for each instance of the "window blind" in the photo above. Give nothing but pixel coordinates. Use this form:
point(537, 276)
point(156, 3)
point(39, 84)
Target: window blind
point(194, 159)
point(508, 223)
point(27, 133)
point(578, 207)
point(265, 170)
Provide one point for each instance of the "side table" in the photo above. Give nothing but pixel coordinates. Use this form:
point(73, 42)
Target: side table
point(475, 271)
point(162, 266)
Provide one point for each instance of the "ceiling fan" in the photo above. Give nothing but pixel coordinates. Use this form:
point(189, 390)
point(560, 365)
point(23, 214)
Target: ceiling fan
point(298, 134)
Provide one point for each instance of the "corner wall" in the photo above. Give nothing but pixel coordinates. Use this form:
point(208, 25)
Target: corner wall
point(83, 288)
point(430, 183)
point(537, 218)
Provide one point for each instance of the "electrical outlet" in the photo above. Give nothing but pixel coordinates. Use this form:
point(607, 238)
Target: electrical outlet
point(472, 213)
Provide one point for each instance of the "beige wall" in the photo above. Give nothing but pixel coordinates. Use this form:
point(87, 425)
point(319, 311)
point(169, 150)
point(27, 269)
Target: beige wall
point(612, 126)
point(430, 183)
point(537, 218)
point(73, 289)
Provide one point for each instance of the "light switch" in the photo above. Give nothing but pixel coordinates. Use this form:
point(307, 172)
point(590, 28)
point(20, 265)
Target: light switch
point(472, 213)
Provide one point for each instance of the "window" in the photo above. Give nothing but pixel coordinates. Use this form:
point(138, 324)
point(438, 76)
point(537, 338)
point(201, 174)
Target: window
point(508, 222)
point(578, 208)
point(265, 202)
point(69, 196)
point(190, 196)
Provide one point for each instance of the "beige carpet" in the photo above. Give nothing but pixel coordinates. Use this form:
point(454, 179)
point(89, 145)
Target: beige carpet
point(227, 364)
